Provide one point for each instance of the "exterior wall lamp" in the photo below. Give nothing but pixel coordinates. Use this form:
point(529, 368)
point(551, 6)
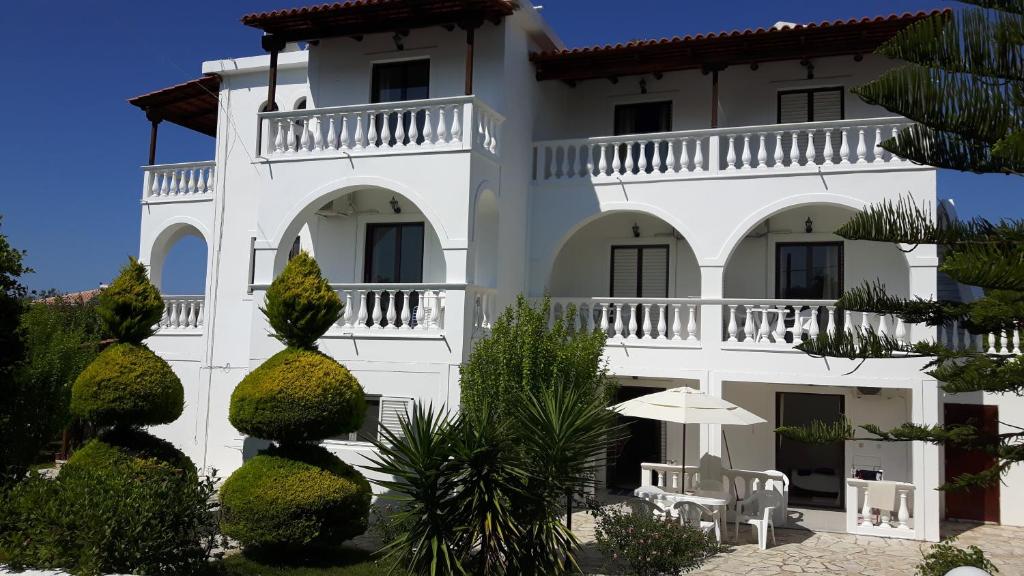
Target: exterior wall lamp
point(808, 225)
point(636, 230)
point(394, 205)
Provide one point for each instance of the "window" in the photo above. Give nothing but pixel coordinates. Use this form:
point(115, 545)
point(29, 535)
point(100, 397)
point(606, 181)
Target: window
point(296, 248)
point(397, 81)
point(643, 118)
point(381, 412)
point(639, 272)
point(809, 271)
point(812, 105)
point(394, 253)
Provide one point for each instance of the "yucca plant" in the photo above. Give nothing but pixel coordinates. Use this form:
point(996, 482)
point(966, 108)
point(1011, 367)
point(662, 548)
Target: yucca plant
point(963, 86)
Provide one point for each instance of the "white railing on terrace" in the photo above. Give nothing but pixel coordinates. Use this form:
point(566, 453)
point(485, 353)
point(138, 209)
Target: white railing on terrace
point(740, 483)
point(402, 308)
point(458, 123)
point(893, 520)
point(745, 150)
point(185, 181)
point(646, 319)
point(182, 314)
point(788, 322)
point(485, 309)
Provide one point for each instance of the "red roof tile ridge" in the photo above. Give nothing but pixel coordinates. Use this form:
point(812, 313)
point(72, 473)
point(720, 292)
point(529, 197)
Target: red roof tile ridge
point(194, 81)
point(302, 10)
point(748, 31)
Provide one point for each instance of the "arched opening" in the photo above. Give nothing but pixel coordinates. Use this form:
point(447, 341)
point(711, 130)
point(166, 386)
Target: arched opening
point(379, 250)
point(178, 262)
point(629, 270)
point(787, 270)
point(485, 240)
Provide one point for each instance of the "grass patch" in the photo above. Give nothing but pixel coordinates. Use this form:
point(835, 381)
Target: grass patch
point(323, 562)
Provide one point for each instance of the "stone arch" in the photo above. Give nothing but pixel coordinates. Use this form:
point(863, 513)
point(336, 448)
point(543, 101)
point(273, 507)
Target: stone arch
point(173, 230)
point(581, 265)
point(302, 210)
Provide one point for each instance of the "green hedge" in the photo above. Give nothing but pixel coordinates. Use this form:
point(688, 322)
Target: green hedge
point(298, 395)
point(127, 385)
point(131, 306)
point(112, 510)
point(295, 496)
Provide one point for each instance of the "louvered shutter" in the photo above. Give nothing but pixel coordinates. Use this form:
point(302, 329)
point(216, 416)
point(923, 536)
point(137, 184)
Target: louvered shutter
point(392, 411)
point(654, 273)
point(793, 108)
point(828, 105)
point(624, 270)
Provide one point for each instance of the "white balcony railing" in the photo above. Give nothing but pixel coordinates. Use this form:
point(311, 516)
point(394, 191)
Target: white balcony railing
point(485, 309)
point(719, 152)
point(645, 319)
point(893, 520)
point(412, 126)
point(392, 308)
point(182, 314)
point(171, 182)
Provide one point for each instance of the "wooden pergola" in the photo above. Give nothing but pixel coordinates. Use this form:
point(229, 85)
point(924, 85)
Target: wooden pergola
point(191, 104)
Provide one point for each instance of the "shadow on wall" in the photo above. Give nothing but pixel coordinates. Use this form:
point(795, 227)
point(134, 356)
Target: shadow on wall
point(253, 446)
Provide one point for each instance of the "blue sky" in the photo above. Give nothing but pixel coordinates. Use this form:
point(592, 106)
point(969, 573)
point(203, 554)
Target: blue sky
point(71, 145)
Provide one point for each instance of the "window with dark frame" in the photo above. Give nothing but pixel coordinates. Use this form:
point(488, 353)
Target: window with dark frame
point(809, 270)
point(394, 255)
point(397, 82)
point(811, 105)
point(639, 272)
point(643, 118)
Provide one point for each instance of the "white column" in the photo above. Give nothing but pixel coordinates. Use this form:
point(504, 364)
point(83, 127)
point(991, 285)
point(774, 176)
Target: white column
point(711, 287)
point(926, 409)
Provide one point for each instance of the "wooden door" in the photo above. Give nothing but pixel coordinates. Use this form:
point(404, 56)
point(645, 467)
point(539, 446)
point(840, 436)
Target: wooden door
point(977, 504)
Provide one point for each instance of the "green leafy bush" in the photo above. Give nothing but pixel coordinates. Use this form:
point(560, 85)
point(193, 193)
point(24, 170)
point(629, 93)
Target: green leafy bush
point(300, 305)
point(945, 556)
point(651, 546)
point(127, 385)
point(110, 512)
point(294, 496)
point(298, 395)
point(131, 306)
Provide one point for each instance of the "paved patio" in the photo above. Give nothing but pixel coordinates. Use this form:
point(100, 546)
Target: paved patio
point(803, 552)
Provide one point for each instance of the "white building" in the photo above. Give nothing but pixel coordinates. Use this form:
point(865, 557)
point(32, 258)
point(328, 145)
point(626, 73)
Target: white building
point(683, 193)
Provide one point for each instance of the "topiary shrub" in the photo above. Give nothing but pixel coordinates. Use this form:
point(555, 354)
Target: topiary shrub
point(120, 446)
point(294, 496)
point(127, 385)
point(297, 494)
point(131, 306)
point(297, 395)
point(300, 304)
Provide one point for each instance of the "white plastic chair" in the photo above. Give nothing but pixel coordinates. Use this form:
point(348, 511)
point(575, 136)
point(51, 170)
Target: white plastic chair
point(647, 507)
point(698, 516)
point(757, 511)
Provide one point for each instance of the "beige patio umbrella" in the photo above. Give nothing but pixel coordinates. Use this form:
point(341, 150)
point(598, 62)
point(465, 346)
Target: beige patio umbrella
point(687, 406)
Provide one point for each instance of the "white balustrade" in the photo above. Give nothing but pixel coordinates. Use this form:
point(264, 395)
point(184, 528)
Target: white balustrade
point(668, 320)
point(485, 309)
point(778, 322)
point(894, 521)
point(392, 308)
point(801, 146)
point(187, 181)
point(182, 314)
point(459, 123)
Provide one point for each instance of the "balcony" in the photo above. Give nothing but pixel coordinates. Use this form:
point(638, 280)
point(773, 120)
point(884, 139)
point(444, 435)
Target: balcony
point(409, 127)
point(185, 182)
point(182, 315)
point(835, 146)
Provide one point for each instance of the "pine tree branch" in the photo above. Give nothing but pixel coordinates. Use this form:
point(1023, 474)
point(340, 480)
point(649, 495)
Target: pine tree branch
point(995, 266)
point(979, 372)
point(926, 146)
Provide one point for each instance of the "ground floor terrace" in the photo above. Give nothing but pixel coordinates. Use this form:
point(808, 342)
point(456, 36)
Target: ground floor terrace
point(822, 487)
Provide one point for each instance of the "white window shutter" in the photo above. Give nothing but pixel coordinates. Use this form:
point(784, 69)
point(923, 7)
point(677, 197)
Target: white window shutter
point(392, 411)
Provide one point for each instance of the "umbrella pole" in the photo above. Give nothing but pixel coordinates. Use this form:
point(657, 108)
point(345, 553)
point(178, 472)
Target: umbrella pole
point(682, 463)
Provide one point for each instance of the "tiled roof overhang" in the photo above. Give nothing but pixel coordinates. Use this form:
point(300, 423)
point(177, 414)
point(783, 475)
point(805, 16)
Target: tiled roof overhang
point(191, 104)
point(716, 51)
point(358, 17)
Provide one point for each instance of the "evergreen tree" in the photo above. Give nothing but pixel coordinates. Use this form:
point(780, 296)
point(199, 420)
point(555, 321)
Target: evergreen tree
point(963, 86)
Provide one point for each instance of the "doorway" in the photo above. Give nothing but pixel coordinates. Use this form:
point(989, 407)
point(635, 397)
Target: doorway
point(641, 443)
point(976, 504)
point(815, 470)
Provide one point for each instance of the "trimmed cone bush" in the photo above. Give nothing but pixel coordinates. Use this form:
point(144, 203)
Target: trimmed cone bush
point(127, 385)
point(298, 395)
point(301, 305)
point(295, 496)
point(131, 306)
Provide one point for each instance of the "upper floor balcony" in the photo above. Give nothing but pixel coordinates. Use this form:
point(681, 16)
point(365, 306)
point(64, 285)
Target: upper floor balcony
point(406, 127)
point(744, 151)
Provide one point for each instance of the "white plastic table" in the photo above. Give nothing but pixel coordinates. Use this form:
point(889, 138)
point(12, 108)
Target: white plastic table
point(713, 500)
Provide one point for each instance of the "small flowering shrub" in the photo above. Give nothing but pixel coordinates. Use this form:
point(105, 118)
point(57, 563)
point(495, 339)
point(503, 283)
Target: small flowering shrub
point(647, 546)
point(945, 556)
